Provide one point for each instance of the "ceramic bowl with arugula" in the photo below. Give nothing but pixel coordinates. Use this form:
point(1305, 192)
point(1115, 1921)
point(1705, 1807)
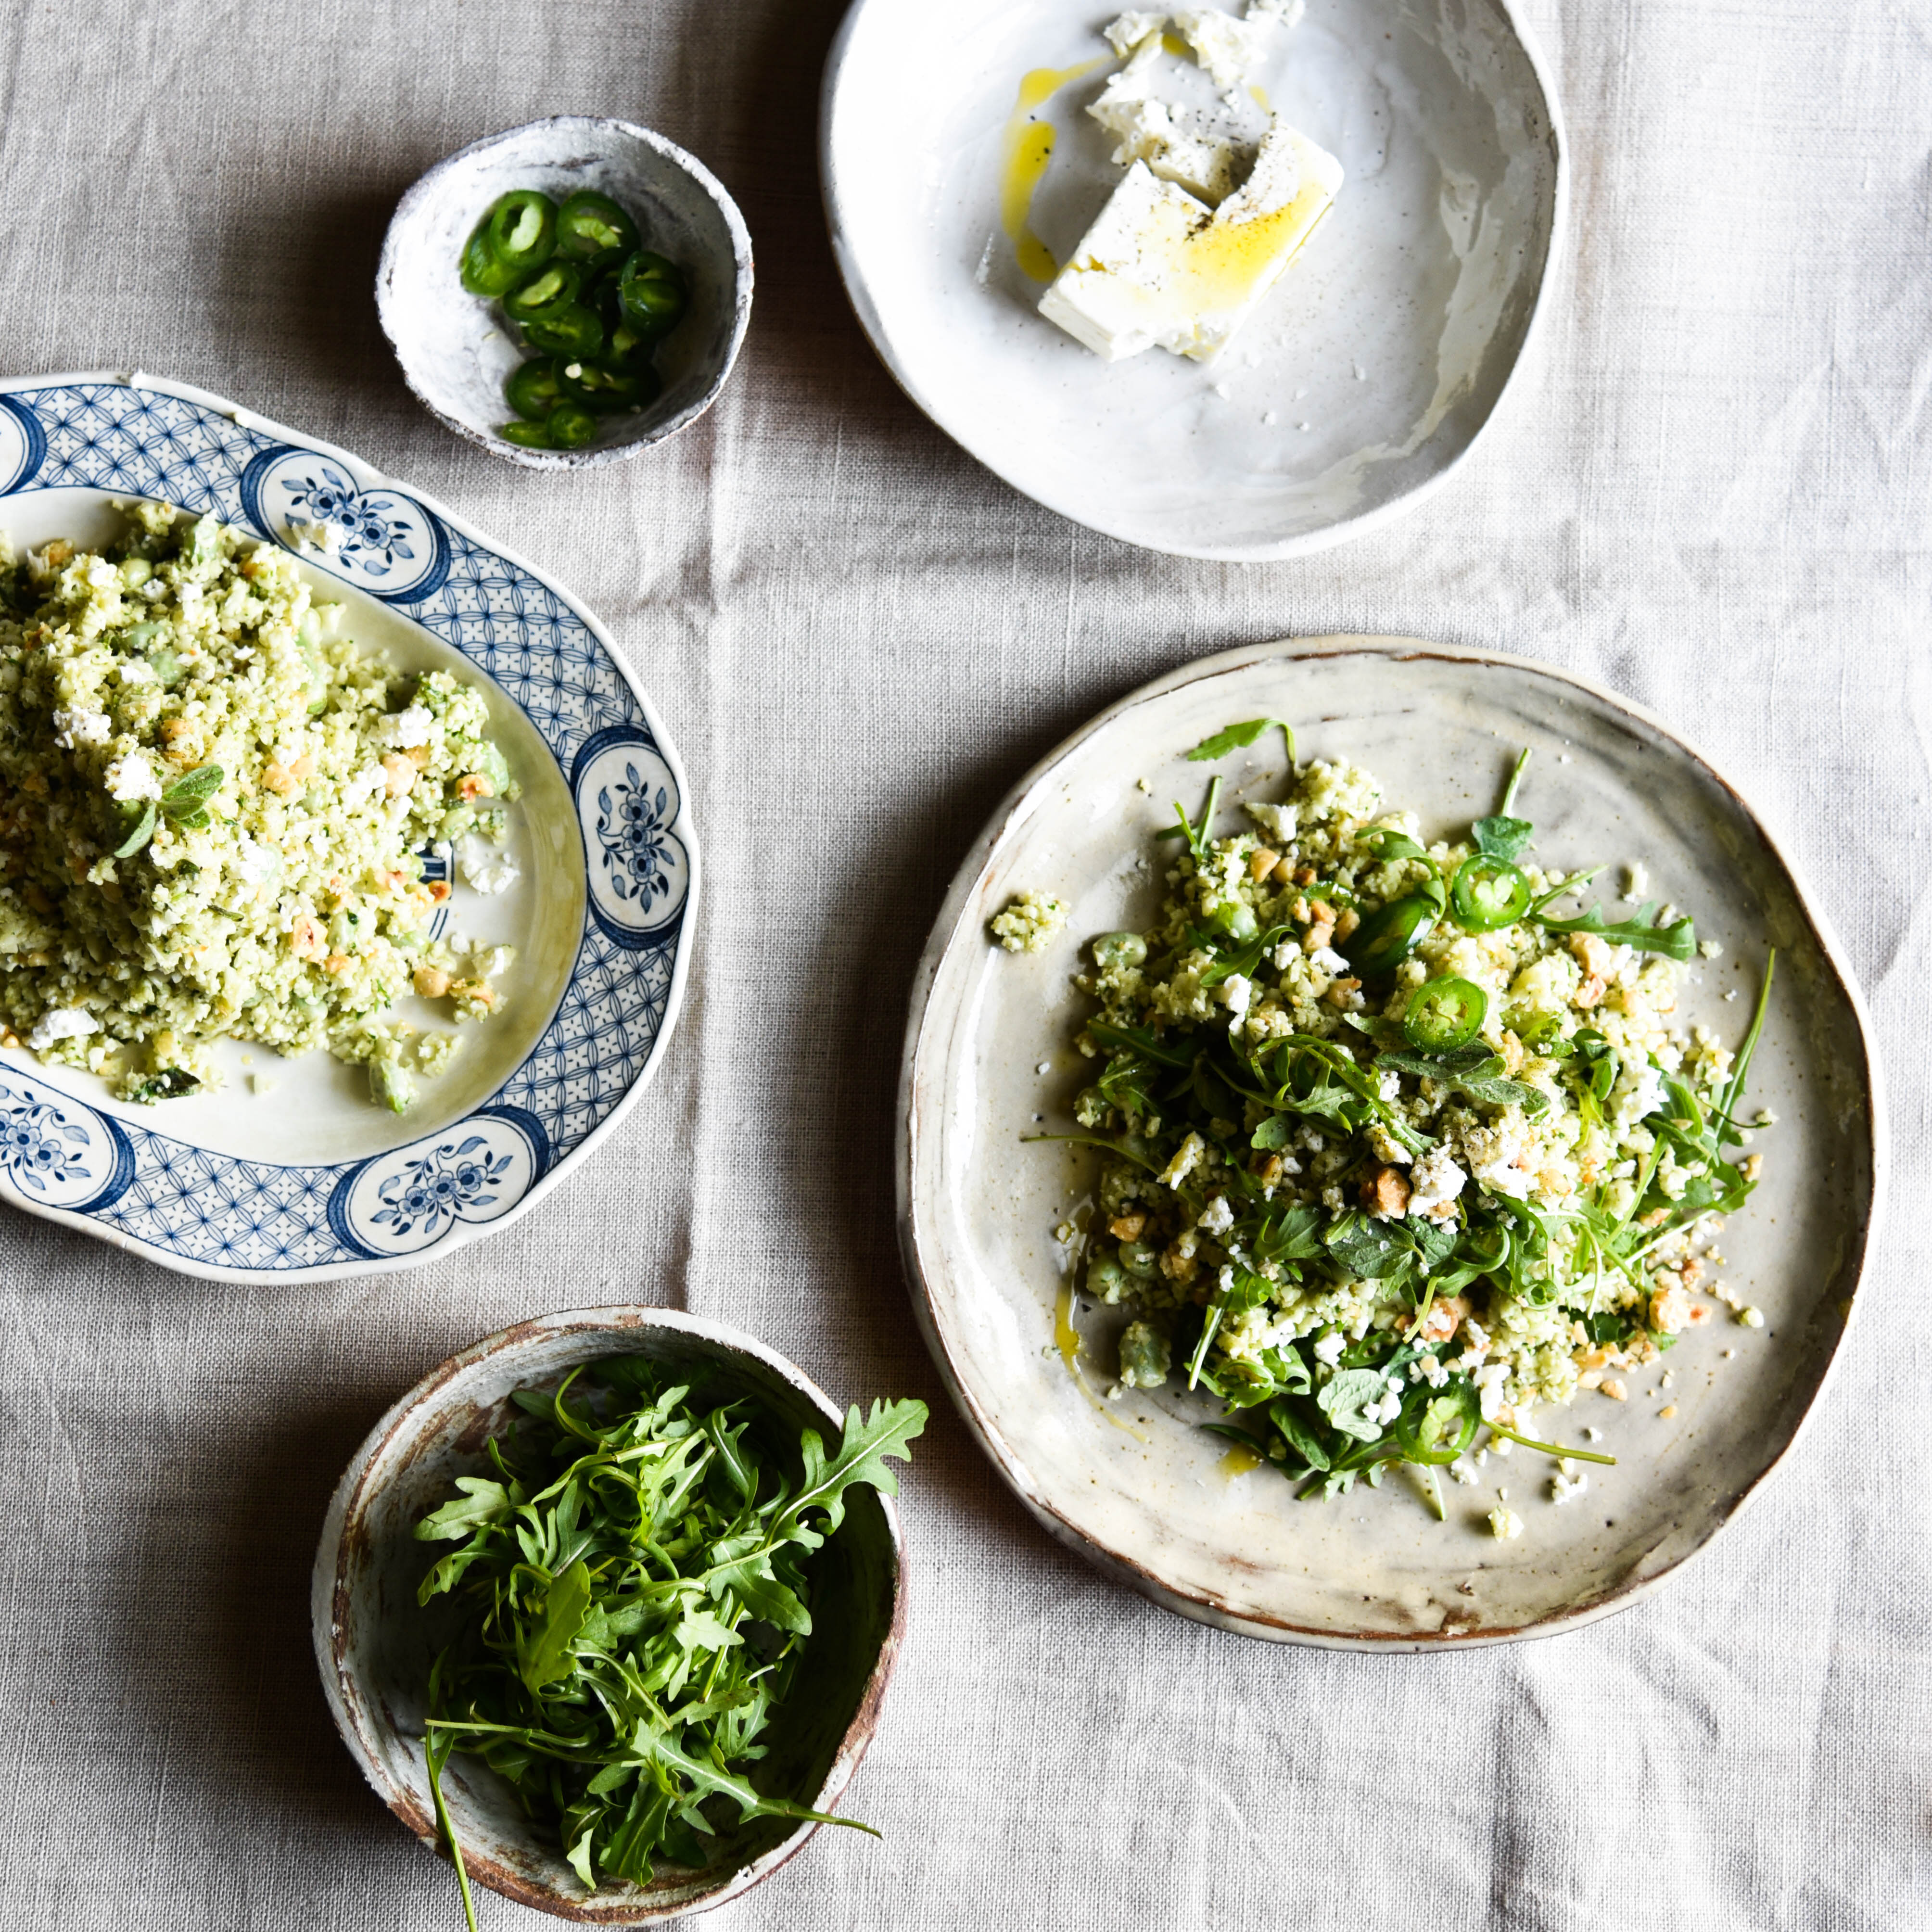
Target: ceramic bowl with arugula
point(1389, 1149)
point(605, 1608)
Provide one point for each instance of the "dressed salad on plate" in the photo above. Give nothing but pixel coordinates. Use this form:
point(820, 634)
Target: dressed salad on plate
point(1402, 1140)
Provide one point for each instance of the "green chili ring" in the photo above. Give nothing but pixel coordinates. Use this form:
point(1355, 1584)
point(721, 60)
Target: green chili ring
point(652, 293)
point(566, 329)
point(607, 385)
point(591, 227)
point(521, 226)
point(1444, 1014)
point(534, 389)
point(572, 426)
point(1489, 893)
point(554, 285)
point(481, 271)
point(1387, 936)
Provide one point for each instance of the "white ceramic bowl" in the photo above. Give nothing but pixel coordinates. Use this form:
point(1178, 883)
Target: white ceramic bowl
point(457, 348)
point(1134, 1484)
point(374, 1645)
point(1366, 374)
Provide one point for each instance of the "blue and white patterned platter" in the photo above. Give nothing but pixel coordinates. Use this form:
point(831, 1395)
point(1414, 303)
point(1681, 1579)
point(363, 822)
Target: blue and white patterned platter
point(288, 1170)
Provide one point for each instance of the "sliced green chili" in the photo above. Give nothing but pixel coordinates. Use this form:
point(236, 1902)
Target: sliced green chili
point(482, 273)
point(653, 294)
point(555, 283)
point(534, 389)
point(526, 435)
point(569, 328)
point(1439, 1426)
point(591, 227)
point(522, 229)
point(1489, 893)
point(1388, 936)
point(572, 426)
point(1445, 1014)
point(606, 387)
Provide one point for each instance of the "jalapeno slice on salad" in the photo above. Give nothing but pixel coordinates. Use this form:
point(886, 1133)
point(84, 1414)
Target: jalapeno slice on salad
point(1388, 936)
point(1435, 1426)
point(1489, 892)
point(1444, 1014)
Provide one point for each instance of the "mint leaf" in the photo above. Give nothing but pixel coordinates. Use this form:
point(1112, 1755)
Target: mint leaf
point(1345, 1396)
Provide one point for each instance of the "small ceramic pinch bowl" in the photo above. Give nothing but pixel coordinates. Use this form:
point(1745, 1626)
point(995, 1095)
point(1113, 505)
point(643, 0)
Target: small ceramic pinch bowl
point(374, 1645)
point(457, 348)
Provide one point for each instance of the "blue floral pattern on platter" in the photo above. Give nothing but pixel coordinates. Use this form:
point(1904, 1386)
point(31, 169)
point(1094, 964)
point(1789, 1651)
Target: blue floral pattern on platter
point(627, 797)
point(218, 1213)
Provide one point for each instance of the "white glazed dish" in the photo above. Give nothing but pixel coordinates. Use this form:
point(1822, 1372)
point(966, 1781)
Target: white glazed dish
point(1132, 1484)
point(374, 1645)
point(311, 1179)
point(456, 349)
point(1427, 276)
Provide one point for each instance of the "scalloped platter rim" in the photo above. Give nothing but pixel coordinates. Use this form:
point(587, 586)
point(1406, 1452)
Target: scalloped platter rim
point(237, 1186)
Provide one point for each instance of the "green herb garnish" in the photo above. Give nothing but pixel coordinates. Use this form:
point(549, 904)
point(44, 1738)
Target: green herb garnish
point(633, 1587)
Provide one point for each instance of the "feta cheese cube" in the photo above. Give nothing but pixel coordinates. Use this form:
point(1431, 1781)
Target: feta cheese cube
point(1160, 265)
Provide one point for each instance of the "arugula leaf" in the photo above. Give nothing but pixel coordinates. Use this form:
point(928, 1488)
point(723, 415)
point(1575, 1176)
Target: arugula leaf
point(1502, 838)
point(1238, 737)
point(1387, 844)
point(1286, 1416)
point(1500, 835)
point(1677, 940)
point(481, 1501)
point(546, 1656)
point(1370, 1250)
point(632, 1586)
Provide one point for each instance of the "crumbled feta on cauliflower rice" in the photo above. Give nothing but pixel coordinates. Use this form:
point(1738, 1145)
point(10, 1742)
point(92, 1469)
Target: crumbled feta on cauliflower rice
point(1371, 1242)
point(212, 805)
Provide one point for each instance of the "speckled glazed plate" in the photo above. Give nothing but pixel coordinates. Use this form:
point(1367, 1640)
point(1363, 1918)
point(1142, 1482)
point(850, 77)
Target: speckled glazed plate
point(310, 1179)
point(1132, 1484)
point(1367, 373)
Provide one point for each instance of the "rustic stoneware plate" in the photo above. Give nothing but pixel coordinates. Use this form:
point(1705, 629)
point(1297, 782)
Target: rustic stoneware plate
point(1366, 374)
point(374, 1646)
point(1132, 1484)
point(311, 1180)
point(456, 349)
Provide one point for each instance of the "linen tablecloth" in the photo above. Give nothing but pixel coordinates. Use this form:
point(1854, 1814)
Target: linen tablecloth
point(1712, 490)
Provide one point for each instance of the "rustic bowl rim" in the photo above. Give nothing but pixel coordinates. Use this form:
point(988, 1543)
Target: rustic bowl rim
point(610, 130)
point(329, 1586)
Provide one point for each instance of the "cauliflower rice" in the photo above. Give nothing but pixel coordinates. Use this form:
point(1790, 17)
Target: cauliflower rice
point(213, 806)
point(1373, 1219)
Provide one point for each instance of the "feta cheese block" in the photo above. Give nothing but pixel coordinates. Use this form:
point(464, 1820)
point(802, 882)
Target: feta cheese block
point(1160, 265)
point(1207, 151)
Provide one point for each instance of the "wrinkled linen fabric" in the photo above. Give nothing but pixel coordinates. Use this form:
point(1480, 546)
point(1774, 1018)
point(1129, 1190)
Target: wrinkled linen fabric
point(1712, 490)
